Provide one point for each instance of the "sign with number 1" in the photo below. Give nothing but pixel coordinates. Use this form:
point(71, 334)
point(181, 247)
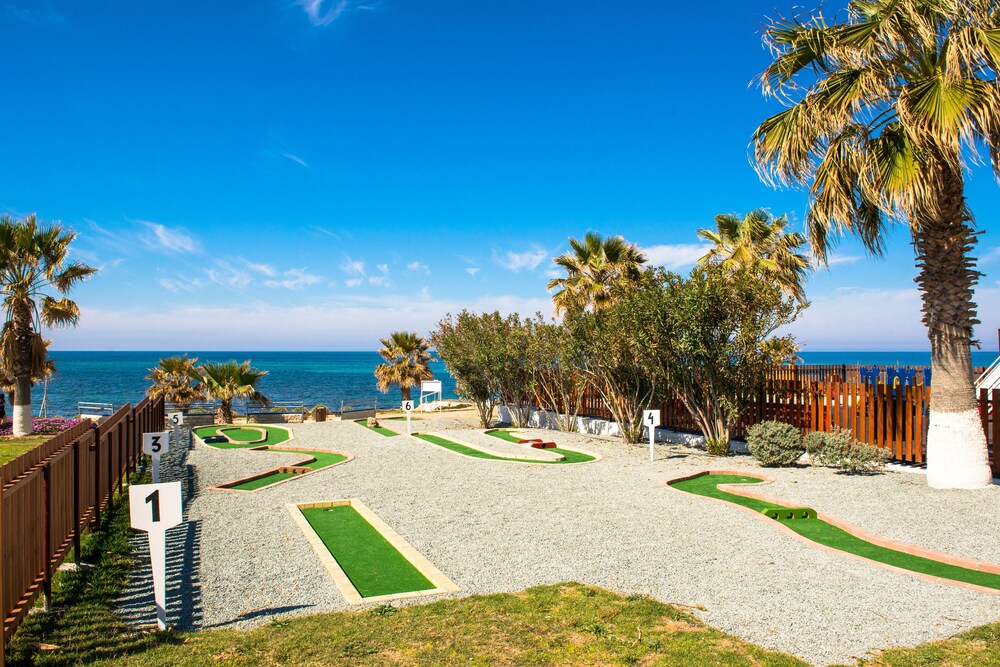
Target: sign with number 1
point(154, 508)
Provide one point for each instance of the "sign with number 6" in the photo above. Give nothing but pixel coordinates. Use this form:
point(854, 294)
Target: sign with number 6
point(407, 406)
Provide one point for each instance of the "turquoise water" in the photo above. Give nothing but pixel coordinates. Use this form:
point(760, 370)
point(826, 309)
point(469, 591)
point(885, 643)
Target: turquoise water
point(312, 377)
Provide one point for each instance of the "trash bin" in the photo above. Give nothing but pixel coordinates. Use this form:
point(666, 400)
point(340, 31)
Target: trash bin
point(321, 412)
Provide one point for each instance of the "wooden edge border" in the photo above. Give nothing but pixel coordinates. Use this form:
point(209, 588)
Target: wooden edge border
point(505, 458)
point(861, 533)
point(597, 457)
point(227, 486)
point(442, 584)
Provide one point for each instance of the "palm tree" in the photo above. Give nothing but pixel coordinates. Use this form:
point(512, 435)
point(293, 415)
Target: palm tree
point(596, 269)
point(407, 357)
point(886, 109)
point(34, 258)
point(228, 380)
point(175, 380)
point(758, 242)
point(47, 368)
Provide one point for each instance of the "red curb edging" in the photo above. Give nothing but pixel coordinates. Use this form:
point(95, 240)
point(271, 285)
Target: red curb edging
point(226, 486)
point(856, 531)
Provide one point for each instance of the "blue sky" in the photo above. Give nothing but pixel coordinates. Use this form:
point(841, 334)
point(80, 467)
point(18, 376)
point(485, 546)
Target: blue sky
point(274, 174)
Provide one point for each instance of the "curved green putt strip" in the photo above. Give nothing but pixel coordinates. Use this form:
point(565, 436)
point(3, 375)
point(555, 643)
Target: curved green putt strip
point(373, 565)
point(569, 456)
point(381, 430)
point(320, 460)
point(829, 535)
point(275, 436)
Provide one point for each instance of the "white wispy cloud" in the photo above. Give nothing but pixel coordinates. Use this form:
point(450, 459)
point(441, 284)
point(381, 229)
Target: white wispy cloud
point(472, 270)
point(228, 276)
point(324, 231)
point(265, 269)
point(352, 266)
point(167, 239)
point(353, 282)
point(380, 281)
point(991, 256)
point(383, 269)
point(836, 260)
point(519, 261)
point(179, 284)
point(321, 12)
point(419, 267)
point(295, 279)
point(295, 158)
point(674, 256)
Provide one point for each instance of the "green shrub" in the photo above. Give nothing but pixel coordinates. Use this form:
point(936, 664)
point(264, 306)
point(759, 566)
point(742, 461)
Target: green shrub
point(775, 444)
point(838, 449)
point(717, 447)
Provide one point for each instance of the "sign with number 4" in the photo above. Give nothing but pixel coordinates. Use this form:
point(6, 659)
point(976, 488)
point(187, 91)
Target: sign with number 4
point(651, 419)
point(154, 508)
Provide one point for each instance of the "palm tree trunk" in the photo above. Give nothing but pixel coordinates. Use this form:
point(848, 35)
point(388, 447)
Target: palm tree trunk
point(405, 391)
point(957, 456)
point(22, 406)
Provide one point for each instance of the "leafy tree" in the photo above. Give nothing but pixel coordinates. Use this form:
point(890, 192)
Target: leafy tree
point(407, 359)
point(707, 339)
point(596, 271)
point(468, 346)
point(34, 261)
point(226, 381)
point(758, 242)
point(887, 107)
point(559, 382)
point(175, 380)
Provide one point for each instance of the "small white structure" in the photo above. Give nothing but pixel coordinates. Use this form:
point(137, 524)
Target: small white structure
point(430, 394)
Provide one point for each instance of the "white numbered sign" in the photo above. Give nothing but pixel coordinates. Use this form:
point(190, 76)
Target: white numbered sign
point(175, 418)
point(407, 406)
point(156, 445)
point(651, 419)
point(154, 508)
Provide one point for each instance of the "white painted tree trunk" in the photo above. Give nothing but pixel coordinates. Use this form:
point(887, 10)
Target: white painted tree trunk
point(956, 451)
point(22, 420)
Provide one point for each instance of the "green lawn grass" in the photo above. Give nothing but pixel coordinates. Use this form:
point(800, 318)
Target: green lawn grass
point(381, 430)
point(373, 565)
point(13, 446)
point(569, 455)
point(275, 436)
point(321, 460)
point(824, 533)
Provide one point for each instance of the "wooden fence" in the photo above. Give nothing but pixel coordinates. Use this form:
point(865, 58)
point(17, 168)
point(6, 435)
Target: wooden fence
point(890, 417)
point(55, 491)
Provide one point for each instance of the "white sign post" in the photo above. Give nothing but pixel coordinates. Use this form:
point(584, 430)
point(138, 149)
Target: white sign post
point(154, 508)
point(175, 419)
point(156, 445)
point(408, 408)
point(651, 418)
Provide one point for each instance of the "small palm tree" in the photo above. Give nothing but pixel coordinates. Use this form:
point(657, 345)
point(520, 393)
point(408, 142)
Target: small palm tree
point(758, 242)
point(228, 380)
point(596, 269)
point(34, 259)
point(48, 368)
point(886, 111)
point(407, 359)
point(175, 381)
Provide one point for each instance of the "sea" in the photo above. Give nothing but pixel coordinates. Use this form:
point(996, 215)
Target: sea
point(327, 378)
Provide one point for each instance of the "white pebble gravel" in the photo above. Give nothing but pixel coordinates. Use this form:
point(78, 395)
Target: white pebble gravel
point(493, 527)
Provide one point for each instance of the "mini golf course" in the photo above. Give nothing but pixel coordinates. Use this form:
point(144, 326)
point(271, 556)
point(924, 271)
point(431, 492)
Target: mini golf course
point(808, 524)
point(381, 430)
point(370, 561)
point(569, 455)
point(244, 436)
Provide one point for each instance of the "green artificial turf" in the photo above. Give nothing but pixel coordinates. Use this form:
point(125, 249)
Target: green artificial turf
point(321, 460)
point(403, 419)
point(569, 456)
point(275, 436)
point(373, 565)
point(829, 535)
point(381, 430)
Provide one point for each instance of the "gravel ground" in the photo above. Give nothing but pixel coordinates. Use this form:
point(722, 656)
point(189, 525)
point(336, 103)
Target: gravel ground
point(494, 527)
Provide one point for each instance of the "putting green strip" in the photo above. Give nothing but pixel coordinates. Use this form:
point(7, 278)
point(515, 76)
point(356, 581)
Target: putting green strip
point(569, 455)
point(824, 533)
point(381, 430)
point(247, 437)
point(373, 565)
point(319, 461)
point(260, 482)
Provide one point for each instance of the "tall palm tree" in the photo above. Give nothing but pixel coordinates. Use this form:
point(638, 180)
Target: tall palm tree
point(595, 269)
point(407, 359)
point(175, 380)
point(228, 380)
point(758, 242)
point(45, 369)
point(34, 260)
point(886, 110)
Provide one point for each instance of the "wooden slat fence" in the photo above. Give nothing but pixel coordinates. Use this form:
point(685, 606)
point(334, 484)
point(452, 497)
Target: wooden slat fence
point(55, 491)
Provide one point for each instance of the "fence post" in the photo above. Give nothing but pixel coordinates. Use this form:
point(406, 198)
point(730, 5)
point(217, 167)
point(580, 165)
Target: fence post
point(46, 538)
point(76, 500)
point(96, 520)
point(3, 606)
point(996, 431)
